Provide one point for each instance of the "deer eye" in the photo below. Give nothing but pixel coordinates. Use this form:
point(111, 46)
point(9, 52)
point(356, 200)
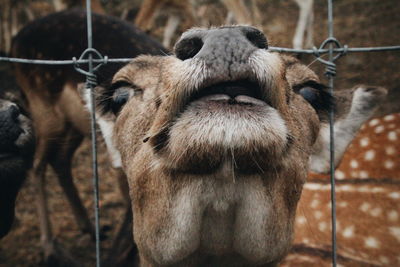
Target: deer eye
point(122, 92)
point(317, 95)
point(309, 94)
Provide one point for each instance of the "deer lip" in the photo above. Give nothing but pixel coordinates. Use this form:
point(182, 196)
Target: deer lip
point(243, 92)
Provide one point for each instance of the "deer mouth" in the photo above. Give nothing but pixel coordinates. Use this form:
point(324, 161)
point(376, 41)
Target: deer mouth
point(238, 93)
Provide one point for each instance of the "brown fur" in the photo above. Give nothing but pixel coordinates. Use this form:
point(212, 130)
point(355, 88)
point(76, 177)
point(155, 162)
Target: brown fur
point(166, 162)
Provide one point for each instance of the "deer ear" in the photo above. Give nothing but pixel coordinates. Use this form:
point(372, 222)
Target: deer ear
point(105, 120)
point(352, 108)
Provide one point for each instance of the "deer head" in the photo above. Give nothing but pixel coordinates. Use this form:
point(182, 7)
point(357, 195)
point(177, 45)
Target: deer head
point(216, 142)
point(16, 152)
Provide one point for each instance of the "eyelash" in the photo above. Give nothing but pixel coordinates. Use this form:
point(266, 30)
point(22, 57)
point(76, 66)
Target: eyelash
point(317, 95)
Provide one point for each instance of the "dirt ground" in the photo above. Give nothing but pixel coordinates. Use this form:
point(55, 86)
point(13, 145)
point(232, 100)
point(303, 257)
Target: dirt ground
point(358, 23)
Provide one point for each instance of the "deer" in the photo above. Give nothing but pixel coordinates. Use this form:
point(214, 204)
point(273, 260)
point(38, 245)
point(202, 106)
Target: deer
point(367, 192)
point(215, 141)
point(16, 149)
point(60, 119)
point(239, 11)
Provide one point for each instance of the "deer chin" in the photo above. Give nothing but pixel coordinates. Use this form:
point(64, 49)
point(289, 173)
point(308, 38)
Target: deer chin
point(236, 126)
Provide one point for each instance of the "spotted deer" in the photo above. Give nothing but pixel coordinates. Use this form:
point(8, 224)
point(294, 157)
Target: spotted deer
point(368, 206)
point(59, 117)
point(16, 149)
point(216, 142)
point(193, 13)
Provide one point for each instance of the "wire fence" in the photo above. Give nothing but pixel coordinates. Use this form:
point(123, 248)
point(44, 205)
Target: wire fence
point(91, 57)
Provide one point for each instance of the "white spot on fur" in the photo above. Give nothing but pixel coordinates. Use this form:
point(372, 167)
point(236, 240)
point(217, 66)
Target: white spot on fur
point(318, 214)
point(379, 129)
point(390, 150)
point(305, 240)
point(389, 164)
point(314, 204)
point(364, 189)
point(301, 220)
point(375, 212)
point(369, 155)
point(388, 117)
point(339, 175)
point(364, 174)
point(374, 122)
point(364, 142)
point(393, 215)
point(343, 204)
point(394, 195)
point(371, 242)
point(322, 226)
point(354, 163)
point(384, 260)
point(347, 188)
point(348, 232)
point(392, 136)
point(395, 232)
point(315, 186)
point(365, 206)
point(377, 190)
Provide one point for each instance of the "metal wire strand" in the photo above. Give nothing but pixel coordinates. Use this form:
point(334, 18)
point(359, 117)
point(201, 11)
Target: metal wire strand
point(272, 48)
point(91, 82)
point(331, 72)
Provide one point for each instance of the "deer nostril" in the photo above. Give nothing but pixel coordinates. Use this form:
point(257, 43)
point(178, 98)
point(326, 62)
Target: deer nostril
point(188, 48)
point(256, 37)
point(14, 112)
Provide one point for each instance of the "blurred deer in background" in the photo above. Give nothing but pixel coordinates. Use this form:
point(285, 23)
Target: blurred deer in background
point(59, 117)
point(14, 14)
point(368, 203)
point(239, 12)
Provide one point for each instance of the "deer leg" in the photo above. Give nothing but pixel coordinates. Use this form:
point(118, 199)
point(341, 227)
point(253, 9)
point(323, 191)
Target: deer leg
point(170, 29)
point(309, 43)
point(38, 174)
point(305, 10)
point(61, 163)
point(53, 252)
point(123, 249)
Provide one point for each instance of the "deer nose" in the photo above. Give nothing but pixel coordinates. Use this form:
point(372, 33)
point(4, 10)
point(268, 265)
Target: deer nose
point(13, 111)
point(9, 125)
point(10, 113)
point(232, 44)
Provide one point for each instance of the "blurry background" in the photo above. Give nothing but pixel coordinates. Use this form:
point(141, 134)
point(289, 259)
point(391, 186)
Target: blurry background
point(358, 23)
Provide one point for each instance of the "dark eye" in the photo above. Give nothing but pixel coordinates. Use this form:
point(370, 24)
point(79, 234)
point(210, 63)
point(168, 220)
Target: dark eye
point(309, 94)
point(113, 97)
point(121, 95)
point(317, 95)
